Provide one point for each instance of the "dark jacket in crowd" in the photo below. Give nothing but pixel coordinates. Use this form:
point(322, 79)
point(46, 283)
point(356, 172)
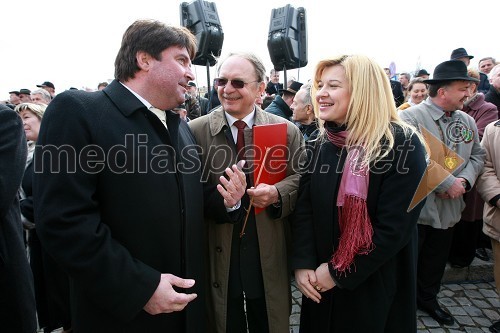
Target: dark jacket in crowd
point(484, 83)
point(309, 132)
point(397, 91)
point(117, 220)
point(204, 105)
point(273, 88)
point(280, 108)
point(213, 99)
point(51, 282)
point(17, 297)
point(493, 96)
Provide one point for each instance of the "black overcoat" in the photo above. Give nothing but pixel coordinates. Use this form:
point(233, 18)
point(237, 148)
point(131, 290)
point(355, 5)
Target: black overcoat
point(117, 203)
point(17, 296)
point(378, 294)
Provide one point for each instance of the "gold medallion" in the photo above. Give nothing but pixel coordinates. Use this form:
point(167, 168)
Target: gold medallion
point(450, 162)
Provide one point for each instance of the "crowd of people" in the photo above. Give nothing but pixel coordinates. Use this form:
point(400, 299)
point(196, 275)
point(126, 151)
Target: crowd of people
point(142, 207)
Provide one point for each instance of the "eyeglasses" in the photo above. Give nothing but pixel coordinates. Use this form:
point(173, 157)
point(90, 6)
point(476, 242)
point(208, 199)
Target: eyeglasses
point(237, 84)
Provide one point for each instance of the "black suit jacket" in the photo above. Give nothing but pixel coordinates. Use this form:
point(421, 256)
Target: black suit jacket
point(130, 208)
point(378, 294)
point(271, 88)
point(17, 297)
point(493, 96)
point(397, 91)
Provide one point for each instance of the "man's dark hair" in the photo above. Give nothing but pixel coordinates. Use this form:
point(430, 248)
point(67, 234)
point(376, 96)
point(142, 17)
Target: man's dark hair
point(434, 87)
point(152, 37)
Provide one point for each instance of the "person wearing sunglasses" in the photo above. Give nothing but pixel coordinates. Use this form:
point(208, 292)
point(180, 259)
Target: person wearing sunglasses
point(250, 268)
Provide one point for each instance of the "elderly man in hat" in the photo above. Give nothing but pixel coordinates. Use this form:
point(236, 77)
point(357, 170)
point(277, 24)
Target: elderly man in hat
point(49, 86)
point(25, 95)
point(14, 97)
point(280, 106)
point(455, 160)
point(461, 54)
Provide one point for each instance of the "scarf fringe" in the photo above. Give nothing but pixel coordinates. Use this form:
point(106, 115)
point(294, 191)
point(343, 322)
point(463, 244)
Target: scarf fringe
point(357, 239)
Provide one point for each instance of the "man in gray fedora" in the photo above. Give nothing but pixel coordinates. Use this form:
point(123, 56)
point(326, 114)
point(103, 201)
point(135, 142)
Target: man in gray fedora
point(455, 160)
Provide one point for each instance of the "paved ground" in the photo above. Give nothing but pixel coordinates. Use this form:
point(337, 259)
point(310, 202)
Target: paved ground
point(468, 294)
point(474, 303)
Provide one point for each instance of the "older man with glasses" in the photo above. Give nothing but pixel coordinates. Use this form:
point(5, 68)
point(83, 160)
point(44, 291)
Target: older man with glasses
point(247, 267)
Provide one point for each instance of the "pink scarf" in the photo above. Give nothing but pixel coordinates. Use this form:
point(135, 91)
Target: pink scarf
point(356, 230)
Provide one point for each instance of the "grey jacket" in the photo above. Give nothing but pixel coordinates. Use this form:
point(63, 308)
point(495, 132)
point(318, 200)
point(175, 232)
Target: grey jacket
point(459, 133)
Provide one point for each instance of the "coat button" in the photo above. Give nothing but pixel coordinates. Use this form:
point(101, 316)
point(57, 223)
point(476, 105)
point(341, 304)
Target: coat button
point(218, 249)
point(216, 285)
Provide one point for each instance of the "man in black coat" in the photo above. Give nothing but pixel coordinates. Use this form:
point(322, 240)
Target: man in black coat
point(118, 197)
point(397, 89)
point(17, 296)
point(274, 86)
point(280, 106)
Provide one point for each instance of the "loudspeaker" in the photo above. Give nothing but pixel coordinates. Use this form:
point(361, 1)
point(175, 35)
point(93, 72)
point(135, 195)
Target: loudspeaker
point(287, 39)
point(201, 18)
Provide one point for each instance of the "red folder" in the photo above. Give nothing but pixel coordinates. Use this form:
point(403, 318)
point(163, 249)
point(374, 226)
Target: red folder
point(274, 137)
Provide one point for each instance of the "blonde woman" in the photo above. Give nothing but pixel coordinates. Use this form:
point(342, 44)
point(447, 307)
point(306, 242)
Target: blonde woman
point(354, 233)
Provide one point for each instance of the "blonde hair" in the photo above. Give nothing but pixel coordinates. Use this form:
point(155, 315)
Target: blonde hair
point(371, 111)
point(472, 72)
point(36, 109)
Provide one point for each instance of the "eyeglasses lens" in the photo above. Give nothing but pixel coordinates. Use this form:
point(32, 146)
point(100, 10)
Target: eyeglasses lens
point(237, 84)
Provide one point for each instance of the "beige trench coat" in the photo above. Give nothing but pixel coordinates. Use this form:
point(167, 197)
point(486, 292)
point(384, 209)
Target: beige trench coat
point(488, 183)
point(209, 132)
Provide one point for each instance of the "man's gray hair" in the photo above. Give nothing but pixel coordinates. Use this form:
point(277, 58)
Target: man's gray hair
point(44, 93)
point(260, 70)
point(494, 70)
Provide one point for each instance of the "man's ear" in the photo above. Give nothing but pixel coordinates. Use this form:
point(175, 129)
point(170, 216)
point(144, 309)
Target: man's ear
point(260, 89)
point(441, 91)
point(143, 60)
point(309, 109)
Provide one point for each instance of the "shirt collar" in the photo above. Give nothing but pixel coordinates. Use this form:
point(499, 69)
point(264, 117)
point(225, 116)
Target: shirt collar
point(146, 103)
point(435, 111)
point(249, 119)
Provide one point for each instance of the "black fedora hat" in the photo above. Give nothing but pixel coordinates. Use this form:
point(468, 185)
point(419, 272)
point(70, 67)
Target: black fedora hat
point(451, 70)
point(460, 53)
point(293, 87)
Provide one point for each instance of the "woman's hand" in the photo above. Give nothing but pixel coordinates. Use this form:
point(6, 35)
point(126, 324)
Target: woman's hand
point(324, 279)
point(306, 282)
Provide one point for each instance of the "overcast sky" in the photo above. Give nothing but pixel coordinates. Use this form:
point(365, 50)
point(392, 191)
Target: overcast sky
point(74, 43)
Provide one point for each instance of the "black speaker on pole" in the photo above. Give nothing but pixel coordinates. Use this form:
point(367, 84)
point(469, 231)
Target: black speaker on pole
point(287, 39)
point(201, 18)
